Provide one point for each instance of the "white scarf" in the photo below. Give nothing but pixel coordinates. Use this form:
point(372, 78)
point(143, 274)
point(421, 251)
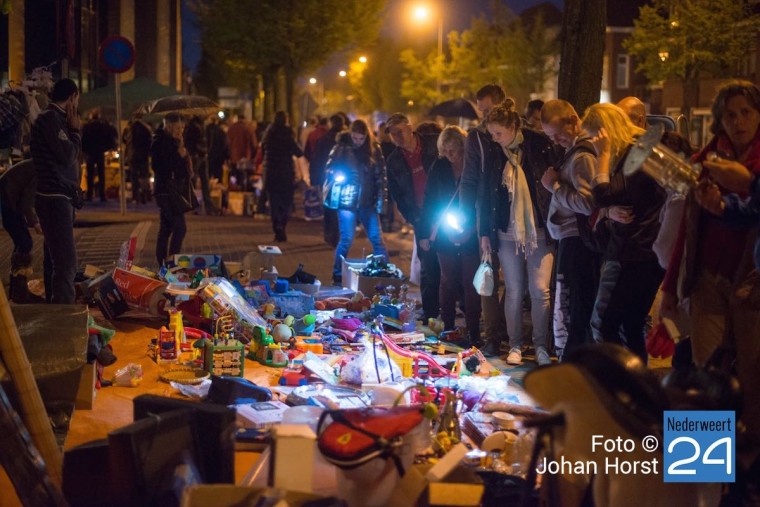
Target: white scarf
point(521, 207)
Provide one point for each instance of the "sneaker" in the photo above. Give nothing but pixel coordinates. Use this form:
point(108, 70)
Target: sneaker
point(515, 356)
point(542, 356)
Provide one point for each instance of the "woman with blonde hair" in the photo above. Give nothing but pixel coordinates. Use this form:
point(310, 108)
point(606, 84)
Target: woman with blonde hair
point(513, 209)
point(456, 248)
point(631, 273)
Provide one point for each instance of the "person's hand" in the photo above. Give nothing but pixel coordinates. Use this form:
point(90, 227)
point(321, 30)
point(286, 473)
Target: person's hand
point(38, 228)
point(72, 116)
point(549, 178)
point(601, 142)
point(182, 151)
point(425, 244)
point(730, 174)
point(621, 214)
point(668, 306)
point(485, 245)
point(709, 197)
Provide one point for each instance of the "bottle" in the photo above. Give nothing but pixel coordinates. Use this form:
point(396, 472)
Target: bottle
point(448, 429)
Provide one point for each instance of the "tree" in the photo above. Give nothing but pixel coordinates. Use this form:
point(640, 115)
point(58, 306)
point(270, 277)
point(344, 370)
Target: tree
point(499, 48)
point(580, 69)
point(287, 37)
point(687, 39)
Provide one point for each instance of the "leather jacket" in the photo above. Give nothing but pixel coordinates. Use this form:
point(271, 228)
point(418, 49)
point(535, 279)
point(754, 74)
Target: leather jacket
point(363, 181)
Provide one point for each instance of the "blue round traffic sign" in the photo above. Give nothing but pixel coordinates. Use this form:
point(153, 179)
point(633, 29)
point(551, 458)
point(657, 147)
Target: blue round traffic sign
point(116, 54)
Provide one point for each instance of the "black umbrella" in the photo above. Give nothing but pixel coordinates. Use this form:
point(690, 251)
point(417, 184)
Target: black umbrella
point(460, 108)
point(188, 105)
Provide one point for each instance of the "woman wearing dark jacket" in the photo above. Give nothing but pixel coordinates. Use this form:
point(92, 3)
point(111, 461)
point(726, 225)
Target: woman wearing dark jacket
point(513, 206)
point(172, 170)
point(631, 273)
point(356, 186)
point(457, 251)
point(279, 147)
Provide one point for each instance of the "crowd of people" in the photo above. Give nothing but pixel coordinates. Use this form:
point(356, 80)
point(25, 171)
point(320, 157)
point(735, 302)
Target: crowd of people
point(541, 196)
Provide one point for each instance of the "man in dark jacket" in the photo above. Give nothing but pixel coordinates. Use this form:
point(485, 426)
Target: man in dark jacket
point(56, 143)
point(171, 169)
point(140, 139)
point(408, 166)
point(317, 163)
point(476, 145)
point(98, 137)
point(195, 143)
point(18, 185)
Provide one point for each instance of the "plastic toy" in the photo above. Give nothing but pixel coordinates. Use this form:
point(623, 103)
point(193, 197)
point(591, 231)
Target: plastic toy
point(293, 377)
point(282, 333)
point(265, 351)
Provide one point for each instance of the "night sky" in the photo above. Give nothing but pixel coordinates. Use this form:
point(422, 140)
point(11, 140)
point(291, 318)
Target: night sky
point(457, 16)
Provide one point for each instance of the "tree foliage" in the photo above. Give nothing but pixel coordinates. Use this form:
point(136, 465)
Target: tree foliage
point(499, 49)
point(685, 39)
point(679, 39)
point(292, 37)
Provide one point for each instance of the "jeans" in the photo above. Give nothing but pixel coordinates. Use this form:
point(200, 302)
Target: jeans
point(538, 268)
point(494, 325)
point(57, 221)
point(171, 232)
point(577, 285)
point(347, 225)
point(200, 169)
point(457, 272)
point(96, 164)
point(430, 281)
point(626, 292)
point(280, 205)
point(15, 225)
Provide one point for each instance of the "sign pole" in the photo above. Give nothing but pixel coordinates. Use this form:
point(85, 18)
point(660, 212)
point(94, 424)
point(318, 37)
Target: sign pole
point(117, 54)
point(122, 179)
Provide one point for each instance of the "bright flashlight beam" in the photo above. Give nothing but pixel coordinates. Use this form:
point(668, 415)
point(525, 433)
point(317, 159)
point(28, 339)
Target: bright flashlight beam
point(340, 178)
point(453, 222)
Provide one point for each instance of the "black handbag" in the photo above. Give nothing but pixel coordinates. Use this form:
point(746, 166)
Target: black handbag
point(182, 197)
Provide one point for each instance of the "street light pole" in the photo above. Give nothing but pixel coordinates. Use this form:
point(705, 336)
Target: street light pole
point(440, 51)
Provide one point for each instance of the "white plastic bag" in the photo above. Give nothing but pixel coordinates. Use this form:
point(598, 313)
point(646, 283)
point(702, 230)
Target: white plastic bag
point(483, 280)
point(372, 366)
point(415, 269)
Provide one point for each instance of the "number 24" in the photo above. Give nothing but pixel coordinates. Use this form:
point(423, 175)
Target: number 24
point(706, 459)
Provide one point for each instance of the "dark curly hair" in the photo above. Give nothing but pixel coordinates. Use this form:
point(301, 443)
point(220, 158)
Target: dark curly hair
point(727, 91)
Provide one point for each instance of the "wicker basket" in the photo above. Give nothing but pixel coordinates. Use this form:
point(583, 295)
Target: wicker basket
point(188, 376)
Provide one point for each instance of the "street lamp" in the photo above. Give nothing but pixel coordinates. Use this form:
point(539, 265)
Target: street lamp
point(423, 13)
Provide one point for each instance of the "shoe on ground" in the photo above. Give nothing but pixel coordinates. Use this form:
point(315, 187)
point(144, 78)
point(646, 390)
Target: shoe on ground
point(542, 356)
point(490, 349)
point(515, 356)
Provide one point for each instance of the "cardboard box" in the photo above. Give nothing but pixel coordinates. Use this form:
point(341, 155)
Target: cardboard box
point(348, 274)
point(194, 262)
point(110, 299)
point(216, 495)
point(367, 284)
point(294, 446)
point(86, 392)
point(236, 203)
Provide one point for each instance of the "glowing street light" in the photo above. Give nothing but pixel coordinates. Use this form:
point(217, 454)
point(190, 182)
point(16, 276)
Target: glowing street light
point(312, 80)
point(342, 73)
point(363, 59)
point(423, 13)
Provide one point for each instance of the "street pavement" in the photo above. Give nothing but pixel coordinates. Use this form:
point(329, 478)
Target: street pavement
point(100, 230)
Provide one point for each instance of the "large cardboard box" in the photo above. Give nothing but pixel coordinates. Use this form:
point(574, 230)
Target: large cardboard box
point(366, 284)
point(220, 495)
point(86, 392)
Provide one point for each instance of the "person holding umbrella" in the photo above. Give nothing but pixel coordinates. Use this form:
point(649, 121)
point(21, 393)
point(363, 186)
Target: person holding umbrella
point(172, 171)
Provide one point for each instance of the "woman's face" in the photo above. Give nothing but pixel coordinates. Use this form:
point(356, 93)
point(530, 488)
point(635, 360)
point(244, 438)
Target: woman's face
point(740, 121)
point(501, 134)
point(454, 152)
point(358, 138)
